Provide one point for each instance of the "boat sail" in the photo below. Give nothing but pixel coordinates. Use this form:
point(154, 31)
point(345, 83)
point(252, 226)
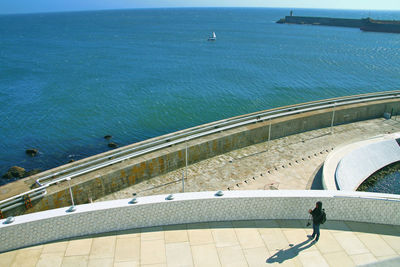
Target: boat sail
point(213, 37)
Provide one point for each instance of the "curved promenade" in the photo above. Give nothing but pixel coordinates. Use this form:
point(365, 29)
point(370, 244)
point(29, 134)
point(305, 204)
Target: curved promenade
point(246, 228)
point(251, 243)
point(110, 172)
point(193, 208)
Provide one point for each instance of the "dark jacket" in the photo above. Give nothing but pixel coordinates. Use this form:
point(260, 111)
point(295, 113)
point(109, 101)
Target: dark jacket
point(317, 213)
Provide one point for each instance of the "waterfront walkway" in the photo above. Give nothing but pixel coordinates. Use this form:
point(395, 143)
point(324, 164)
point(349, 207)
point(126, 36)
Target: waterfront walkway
point(291, 162)
point(238, 243)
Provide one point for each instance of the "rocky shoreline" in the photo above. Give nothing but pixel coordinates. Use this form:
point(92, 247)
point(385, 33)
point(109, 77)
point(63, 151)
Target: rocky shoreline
point(16, 172)
point(386, 180)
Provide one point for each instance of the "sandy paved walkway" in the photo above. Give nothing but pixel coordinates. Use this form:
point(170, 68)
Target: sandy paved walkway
point(287, 163)
point(240, 243)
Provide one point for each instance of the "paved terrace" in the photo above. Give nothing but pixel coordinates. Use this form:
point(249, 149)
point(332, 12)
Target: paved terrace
point(238, 243)
point(286, 163)
point(290, 162)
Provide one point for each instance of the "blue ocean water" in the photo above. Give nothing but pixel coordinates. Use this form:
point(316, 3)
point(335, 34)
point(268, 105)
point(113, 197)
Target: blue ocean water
point(386, 180)
point(68, 79)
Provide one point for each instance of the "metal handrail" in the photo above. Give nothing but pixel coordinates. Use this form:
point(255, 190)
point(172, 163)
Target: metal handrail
point(199, 129)
point(219, 124)
point(196, 132)
point(15, 201)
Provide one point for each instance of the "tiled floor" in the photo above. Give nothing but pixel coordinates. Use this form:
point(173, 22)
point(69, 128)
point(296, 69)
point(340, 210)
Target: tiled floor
point(236, 243)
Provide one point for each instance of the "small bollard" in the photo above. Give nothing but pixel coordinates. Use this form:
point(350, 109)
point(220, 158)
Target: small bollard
point(133, 201)
point(170, 197)
point(219, 193)
point(71, 209)
point(9, 220)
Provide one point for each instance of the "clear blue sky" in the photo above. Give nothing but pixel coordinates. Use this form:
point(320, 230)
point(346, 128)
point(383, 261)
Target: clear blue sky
point(33, 6)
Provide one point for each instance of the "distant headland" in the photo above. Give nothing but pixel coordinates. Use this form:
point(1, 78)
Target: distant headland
point(366, 24)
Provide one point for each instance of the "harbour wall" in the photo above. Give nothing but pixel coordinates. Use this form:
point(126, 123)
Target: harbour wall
point(113, 178)
point(381, 27)
point(367, 24)
point(325, 21)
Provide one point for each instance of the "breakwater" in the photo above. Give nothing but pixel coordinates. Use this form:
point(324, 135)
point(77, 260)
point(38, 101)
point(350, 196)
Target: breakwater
point(366, 24)
point(324, 21)
point(371, 25)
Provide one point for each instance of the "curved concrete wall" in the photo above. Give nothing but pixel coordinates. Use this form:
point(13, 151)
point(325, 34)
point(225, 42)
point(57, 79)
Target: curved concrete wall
point(358, 165)
point(117, 215)
point(348, 166)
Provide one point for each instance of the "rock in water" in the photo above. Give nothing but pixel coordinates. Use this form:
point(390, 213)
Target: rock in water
point(14, 172)
point(112, 145)
point(31, 152)
point(108, 137)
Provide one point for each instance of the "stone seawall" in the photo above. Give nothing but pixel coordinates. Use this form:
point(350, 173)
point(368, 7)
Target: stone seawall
point(367, 24)
point(325, 21)
point(118, 176)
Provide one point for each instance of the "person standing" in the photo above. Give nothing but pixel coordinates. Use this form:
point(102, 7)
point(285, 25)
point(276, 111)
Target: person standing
point(316, 214)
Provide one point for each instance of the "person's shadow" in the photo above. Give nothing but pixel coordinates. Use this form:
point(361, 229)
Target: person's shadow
point(290, 253)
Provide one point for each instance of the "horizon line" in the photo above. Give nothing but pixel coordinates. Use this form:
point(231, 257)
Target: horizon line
point(194, 7)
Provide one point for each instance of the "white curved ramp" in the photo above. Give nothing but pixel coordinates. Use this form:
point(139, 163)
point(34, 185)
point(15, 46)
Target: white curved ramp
point(362, 162)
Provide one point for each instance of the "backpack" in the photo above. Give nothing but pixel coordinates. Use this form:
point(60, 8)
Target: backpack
point(323, 217)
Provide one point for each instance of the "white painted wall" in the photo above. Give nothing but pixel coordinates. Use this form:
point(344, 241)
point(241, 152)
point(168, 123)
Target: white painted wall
point(150, 211)
point(361, 163)
point(346, 167)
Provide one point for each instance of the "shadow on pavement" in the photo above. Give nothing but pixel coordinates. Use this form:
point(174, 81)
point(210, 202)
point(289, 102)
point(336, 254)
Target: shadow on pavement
point(315, 183)
point(291, 252)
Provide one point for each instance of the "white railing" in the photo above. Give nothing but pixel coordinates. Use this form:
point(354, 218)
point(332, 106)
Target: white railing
point(190, 134)
point(19, 199)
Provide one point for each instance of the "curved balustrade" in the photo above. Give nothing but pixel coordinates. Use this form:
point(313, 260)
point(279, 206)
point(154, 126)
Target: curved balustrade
point(101, 217)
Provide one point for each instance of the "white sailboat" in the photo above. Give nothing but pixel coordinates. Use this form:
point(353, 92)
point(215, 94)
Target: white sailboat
point(213, 37)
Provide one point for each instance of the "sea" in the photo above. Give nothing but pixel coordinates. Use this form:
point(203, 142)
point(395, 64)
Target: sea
point(385, 180)
point(68, 79)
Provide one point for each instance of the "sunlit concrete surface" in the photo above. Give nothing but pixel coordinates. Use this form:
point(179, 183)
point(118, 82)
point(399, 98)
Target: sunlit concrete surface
point(349, 165)
point(290, 162)
point(233, 243)
point(362, 162)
